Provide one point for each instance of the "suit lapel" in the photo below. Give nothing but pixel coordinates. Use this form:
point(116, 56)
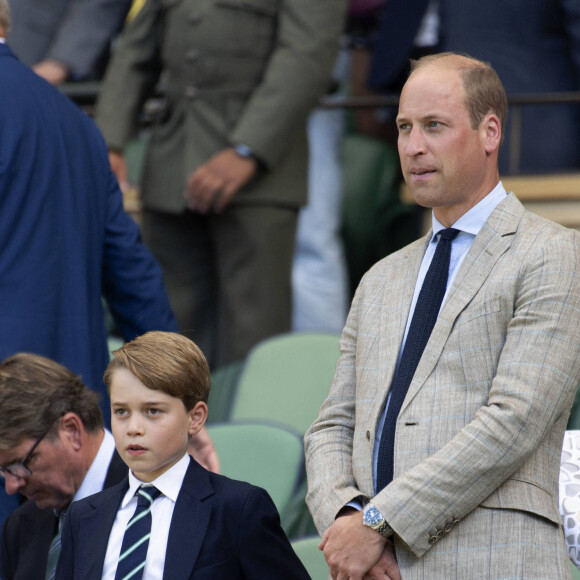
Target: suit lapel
point(396, 303)
point(95, 529)
point(490, 244)
point(189, 523)
point(117, 471)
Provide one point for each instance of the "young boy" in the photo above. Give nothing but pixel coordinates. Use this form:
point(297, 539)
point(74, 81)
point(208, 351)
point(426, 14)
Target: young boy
point(202, 526)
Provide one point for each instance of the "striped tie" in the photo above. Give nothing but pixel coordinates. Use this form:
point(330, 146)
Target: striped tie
point(136, 538)
point(54, 549)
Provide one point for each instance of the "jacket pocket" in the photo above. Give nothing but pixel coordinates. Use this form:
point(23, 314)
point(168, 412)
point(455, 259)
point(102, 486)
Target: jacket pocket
point(527, 496)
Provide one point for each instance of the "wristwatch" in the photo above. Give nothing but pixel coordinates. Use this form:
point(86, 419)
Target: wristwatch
point(244, 151)
point(373, 518)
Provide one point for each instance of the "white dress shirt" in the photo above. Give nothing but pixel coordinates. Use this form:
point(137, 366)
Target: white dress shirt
point(169, 484)
point(94, 480)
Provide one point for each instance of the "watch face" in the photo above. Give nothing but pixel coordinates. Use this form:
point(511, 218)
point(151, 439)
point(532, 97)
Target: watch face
point(373, 516)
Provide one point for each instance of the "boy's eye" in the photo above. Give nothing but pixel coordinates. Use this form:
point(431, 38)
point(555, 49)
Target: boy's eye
point(120, 412)
point(154, 411)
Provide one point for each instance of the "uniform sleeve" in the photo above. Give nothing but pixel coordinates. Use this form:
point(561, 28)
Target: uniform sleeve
point(297, 75)
point(131, 76)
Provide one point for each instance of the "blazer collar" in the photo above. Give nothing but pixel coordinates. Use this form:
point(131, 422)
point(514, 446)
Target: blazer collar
point(189, 523)
point(490, 244)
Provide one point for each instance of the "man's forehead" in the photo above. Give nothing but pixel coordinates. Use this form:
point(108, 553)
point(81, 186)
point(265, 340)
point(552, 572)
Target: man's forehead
point(429, 93)
point(17, 452)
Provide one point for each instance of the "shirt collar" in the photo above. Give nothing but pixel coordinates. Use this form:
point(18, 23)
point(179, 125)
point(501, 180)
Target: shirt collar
point(472, 221)
point(169, 483)
point(94, 480)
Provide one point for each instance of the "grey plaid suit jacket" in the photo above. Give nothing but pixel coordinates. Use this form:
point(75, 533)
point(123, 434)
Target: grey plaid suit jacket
point(479, 435)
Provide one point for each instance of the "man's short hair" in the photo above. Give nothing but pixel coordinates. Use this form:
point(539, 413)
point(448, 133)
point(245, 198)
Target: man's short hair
point(35, 392)
point(5, 16)
point(484, 90)
point(167, 362)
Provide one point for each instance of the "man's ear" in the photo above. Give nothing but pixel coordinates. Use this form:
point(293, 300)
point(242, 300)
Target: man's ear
point(491, 132)
point(71, 428)
point(197, 417)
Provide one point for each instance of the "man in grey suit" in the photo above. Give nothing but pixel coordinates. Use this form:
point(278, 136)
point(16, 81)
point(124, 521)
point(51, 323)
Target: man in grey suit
point(477, 439)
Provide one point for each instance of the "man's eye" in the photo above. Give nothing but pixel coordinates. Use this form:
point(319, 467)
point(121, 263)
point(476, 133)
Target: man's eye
point(403, 127)
point(433, 124)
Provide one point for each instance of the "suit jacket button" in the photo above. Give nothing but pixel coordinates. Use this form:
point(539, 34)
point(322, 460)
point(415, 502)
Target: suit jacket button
point(448, 527)
point(439, 534)
point(191, 92)
point(433, 540)
point(195, 17)
point(192, 55)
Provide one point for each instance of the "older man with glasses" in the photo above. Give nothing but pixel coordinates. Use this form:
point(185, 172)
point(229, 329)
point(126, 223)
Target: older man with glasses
point(53, 450)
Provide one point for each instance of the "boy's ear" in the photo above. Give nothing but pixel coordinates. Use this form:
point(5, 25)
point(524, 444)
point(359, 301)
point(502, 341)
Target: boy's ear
point(197, 417)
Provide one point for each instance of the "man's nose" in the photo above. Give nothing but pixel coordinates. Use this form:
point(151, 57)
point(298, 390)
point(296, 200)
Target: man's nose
point(414, 144)
point(13, 483)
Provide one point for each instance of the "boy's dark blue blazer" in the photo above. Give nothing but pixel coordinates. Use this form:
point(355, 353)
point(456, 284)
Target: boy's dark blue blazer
point(221, 530)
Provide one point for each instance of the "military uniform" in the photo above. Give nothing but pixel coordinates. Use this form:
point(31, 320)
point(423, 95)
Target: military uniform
point(234, 72)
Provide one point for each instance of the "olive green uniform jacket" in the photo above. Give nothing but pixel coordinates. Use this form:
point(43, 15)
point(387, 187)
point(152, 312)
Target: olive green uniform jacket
point(233, 71)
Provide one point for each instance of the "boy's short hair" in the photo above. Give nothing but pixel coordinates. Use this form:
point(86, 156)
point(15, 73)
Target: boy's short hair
point(35, 392)
point(167, 362)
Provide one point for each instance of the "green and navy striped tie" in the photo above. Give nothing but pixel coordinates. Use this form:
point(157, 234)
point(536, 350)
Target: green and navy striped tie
point(136, 538)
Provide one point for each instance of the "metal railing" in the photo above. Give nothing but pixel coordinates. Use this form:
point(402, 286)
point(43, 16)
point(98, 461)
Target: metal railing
point(85, 95)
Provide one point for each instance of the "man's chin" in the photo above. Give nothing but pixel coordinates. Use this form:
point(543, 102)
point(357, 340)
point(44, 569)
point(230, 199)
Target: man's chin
point(43, 501)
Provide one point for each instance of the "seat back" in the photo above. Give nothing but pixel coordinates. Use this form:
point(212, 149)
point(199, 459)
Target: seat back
point(269, 456)
point(312, 558)
point(286, 379)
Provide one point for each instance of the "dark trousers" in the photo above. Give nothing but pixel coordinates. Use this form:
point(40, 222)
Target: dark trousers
point(228, 275)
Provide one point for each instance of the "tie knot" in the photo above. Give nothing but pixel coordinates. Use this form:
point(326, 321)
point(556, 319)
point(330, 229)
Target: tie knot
point(147, 494)
point(448, 234)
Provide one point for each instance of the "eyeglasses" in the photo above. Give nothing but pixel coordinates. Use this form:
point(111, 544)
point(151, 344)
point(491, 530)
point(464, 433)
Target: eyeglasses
point(19, 469)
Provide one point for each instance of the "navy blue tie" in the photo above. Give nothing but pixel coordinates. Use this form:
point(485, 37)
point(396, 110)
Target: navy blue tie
point(422, 323)
point(136, 539)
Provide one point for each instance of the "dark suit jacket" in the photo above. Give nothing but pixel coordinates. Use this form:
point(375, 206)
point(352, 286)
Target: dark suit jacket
point(65, 239)
point(28, 532)
point(221, 530)
point(77, 33)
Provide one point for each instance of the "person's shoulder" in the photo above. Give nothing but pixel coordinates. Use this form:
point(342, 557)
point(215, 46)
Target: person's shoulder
point(546, 239)
point(29, 511)
point(392, 263)
point(236, 495)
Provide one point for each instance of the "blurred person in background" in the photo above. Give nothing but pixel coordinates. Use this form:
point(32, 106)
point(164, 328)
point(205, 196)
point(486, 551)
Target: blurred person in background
point(226, 164)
